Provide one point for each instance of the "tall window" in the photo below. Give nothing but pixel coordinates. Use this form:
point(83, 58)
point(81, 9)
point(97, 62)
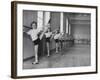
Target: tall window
point(40, 19)
point(46, 17)
point(61, 21)
point(67, 25)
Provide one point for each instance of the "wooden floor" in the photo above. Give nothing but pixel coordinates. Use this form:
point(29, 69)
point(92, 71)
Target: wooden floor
point(76, 56)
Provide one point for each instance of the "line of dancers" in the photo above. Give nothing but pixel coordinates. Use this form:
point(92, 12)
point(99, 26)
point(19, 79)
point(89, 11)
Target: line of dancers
point(37, 34)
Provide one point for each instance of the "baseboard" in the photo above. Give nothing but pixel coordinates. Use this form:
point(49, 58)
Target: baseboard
point(28, 58)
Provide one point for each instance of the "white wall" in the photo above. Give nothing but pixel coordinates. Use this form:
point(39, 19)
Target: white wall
point(28, 17)
point(5, 41)
point(81, 31)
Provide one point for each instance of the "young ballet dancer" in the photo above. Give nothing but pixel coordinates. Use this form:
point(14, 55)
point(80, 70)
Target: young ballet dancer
point(48, 35)
point(56, 38)
point(36, 36)
point(60, 40)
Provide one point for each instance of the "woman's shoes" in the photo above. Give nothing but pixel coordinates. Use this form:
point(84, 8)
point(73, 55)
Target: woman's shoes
point(35, 62)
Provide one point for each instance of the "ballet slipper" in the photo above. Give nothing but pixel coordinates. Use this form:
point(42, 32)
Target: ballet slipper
point(35, 62)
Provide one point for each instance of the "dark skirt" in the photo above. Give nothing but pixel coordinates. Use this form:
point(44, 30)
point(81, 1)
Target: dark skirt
point(56, 40)
point(36, 42)
point(48, 39)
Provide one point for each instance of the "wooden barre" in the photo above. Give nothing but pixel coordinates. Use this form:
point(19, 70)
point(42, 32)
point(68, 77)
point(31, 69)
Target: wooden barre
point(27, 27)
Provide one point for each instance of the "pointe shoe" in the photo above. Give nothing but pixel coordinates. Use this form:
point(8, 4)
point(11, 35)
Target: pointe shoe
point(35, 62)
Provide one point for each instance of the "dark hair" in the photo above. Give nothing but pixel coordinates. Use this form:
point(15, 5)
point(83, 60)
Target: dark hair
point(33, 23)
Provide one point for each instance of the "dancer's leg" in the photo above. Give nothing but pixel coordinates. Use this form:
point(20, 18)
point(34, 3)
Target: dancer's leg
point(48, 48)
point(36, 54)
point(56, 47)
point(42, 34)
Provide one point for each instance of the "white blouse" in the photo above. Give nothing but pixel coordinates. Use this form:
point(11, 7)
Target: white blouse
point(57, 36)
point(33, 33)
point(48, 34)
point(60, 36)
